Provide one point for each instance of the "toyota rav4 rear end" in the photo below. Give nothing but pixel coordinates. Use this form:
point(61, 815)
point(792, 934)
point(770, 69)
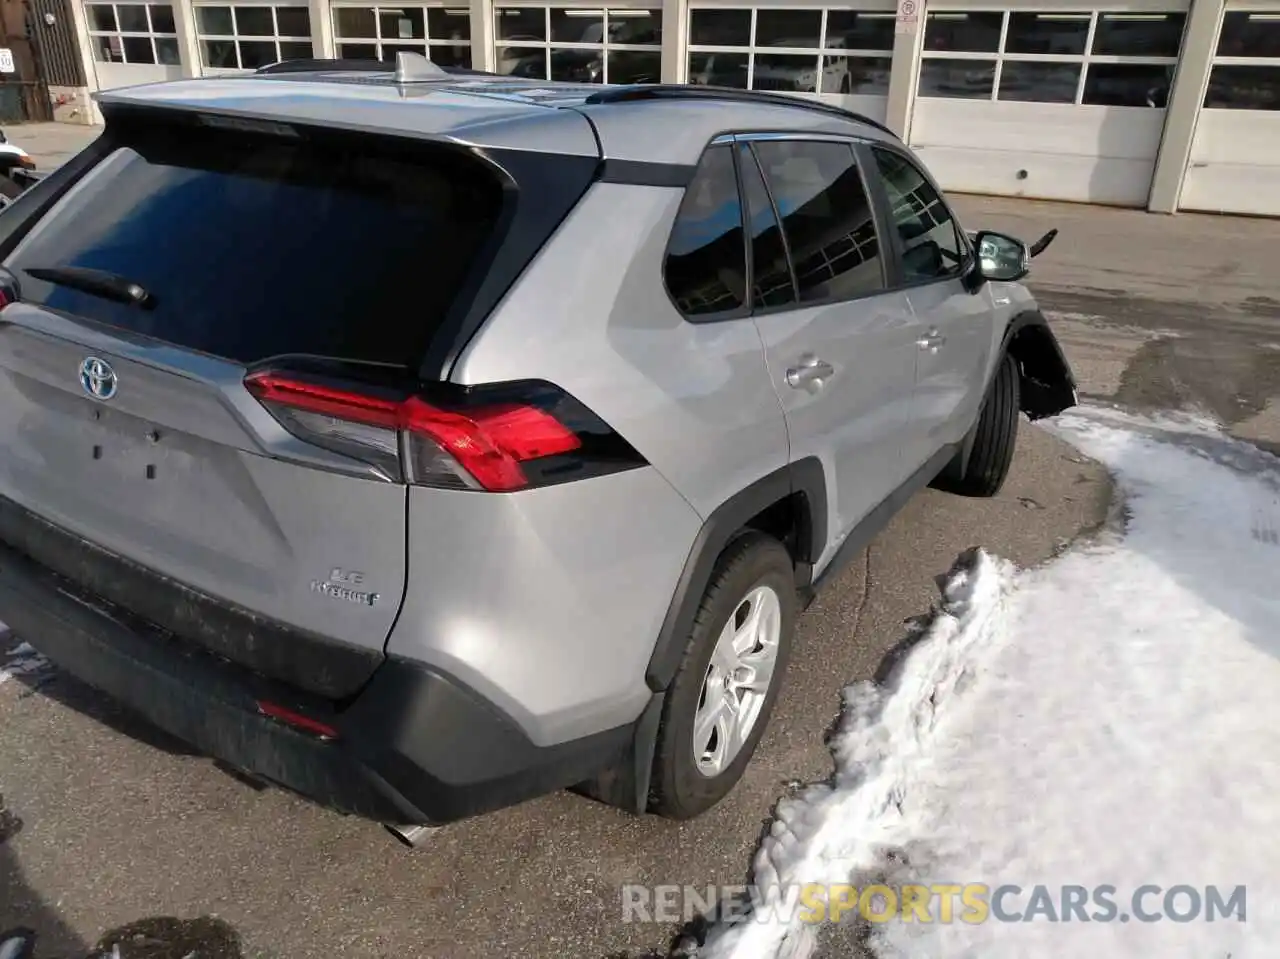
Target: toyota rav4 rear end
point(233, 458)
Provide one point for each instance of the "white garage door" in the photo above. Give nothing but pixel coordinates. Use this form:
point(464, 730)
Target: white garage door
point(840, 55)
point(133, 43)
point(1235, 156)
point(367, 32)
point(1056, 105)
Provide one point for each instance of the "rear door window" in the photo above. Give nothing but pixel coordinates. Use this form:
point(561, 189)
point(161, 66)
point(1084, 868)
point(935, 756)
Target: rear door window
point(254, 245)
point(827, 218)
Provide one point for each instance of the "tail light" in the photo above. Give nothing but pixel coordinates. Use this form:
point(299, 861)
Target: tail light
point(495, 439)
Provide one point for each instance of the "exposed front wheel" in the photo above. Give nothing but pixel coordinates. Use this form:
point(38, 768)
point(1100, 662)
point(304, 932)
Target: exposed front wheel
point(992, 439)
point(723, 693)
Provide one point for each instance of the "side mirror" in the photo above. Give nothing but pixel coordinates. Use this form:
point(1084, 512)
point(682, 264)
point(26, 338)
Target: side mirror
point(1001, 257)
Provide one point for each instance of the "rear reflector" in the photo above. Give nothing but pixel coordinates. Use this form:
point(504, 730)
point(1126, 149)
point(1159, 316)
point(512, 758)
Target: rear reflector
point(475, 445)
point(298, 721)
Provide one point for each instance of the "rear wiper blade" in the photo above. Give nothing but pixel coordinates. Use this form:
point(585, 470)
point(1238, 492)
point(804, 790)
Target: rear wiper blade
point(111, 286)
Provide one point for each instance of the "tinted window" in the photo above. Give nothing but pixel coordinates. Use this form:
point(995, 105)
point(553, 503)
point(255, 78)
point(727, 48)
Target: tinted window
point(706, 266)
point(826, 218)
point(771, 283)
point(255, 246)
point(932, 248)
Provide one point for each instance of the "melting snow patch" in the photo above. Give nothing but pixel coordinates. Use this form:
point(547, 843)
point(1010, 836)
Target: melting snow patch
point(1105, 723)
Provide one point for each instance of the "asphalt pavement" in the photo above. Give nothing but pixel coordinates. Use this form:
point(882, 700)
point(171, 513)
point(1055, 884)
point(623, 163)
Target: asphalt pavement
point(110, 823)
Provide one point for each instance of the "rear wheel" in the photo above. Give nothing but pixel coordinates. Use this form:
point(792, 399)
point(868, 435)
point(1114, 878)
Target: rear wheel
point(994, 438)
point(723, 693)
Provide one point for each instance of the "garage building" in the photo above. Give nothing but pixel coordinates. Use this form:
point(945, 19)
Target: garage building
point(1152, 104)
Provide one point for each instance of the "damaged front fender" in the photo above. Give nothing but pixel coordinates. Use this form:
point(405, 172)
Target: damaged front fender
point(1048, 386)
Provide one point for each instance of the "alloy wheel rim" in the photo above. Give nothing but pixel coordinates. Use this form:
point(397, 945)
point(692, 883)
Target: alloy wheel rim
point(737, 680)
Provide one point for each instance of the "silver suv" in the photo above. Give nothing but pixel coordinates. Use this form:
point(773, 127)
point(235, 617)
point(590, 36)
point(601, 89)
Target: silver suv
point(424, 441)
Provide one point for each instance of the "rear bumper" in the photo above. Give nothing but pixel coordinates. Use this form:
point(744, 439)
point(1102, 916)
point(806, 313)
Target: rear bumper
point(412, 747)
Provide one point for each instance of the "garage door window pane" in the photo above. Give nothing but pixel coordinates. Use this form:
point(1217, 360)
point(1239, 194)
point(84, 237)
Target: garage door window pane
point(967, 79)
point(256, 53)
point(635, 66)
point(138, 50)
point(1250, 35)
point(527, 62)
point(219, 54)
point(1034, 82)
point(133, 18)
point(788, 28)
point(720, 28)
point(448, 23)
point(401, 24)
point(358, 51)
point(640, 27)
point(786, 72)
point(167, 51)
point(355, 22)
point(293, 21)
point(1139, 34)
point(963, 32)
point(826, 217)
point(102, 17)
point(859, 31)
point(515, 23)
point(706, 267)
point(577, 26)
point(865, 76)
point(1055, 33)
point(214, 21)
point(1244, 87)
point(162, 18)
point(1128, 84)
point(718, 69)
point(254, 22)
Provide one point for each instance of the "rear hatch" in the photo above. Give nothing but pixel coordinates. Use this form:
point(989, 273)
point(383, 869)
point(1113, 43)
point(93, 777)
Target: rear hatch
point(185, 260)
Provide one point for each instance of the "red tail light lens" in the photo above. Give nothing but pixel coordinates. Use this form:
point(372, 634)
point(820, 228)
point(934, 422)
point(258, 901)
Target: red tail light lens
point(477, 446)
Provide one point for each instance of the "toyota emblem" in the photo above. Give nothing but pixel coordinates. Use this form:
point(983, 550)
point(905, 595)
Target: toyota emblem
point(98, 378)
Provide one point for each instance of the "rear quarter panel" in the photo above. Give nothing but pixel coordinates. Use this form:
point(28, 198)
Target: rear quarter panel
point(566, 588)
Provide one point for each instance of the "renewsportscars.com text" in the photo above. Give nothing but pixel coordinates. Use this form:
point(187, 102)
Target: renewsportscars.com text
point(971, 903)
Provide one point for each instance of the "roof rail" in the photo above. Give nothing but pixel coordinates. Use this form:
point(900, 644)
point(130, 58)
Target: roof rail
point(679, 91)
point(321, 64)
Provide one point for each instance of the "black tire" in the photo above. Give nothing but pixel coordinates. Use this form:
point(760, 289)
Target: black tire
point(994, 436)
point(678, 789)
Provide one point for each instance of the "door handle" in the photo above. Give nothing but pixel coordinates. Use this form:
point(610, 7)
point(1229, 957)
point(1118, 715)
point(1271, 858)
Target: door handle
point(931, 341)
point(811, 371)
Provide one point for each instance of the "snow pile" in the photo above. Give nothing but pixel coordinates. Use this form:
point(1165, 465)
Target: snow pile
point(884, 731)
point(1110, 718)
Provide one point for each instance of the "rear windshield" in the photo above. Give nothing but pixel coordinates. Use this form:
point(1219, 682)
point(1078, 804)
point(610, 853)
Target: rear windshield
point(254, 246)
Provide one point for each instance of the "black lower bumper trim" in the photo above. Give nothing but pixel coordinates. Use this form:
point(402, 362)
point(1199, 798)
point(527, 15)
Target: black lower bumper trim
point(415, 747)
